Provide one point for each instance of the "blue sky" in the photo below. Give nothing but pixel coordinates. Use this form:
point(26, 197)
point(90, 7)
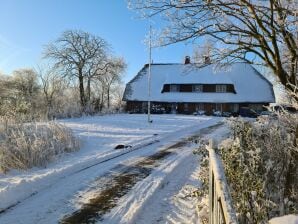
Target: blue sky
point(26, 26)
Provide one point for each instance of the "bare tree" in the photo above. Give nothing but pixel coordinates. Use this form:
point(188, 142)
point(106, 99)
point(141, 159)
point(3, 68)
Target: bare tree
point(202, 53)
point(96, 71)
point(112, 76)
point(117, 96)
point(76, 52)
point(51, 84)
point(100, 82)
point(253, 31)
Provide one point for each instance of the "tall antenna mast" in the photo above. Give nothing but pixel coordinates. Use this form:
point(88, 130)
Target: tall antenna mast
point(149, 77)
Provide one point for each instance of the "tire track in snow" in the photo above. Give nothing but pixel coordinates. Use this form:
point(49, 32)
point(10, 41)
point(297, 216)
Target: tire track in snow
point(120, 180)
point(152, 200)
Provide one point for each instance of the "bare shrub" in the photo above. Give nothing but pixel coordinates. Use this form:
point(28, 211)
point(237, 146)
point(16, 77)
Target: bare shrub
point(25, 145)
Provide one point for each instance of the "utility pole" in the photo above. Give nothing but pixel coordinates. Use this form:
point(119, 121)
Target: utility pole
point(149, 77)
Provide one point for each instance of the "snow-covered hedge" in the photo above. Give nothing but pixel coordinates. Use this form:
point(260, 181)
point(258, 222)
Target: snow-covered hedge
point(25, 145)
point(203, 175)
point(261, 165)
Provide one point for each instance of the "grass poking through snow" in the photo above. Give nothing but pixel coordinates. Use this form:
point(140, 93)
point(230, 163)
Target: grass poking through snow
point(26, 145)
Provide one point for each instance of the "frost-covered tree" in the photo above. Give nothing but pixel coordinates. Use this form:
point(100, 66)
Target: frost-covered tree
point(26, 91)
point(202, 53)
point(113, 76)
point(117, 96)
point(80, 55)
point(53, 88)
point(254, 31)
point(85, 59)
point(6, 96)
point(20, 94)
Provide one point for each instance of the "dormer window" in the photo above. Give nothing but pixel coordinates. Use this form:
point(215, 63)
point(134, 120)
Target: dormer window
point(221, 88)
point(197, 88)
point(174, 88)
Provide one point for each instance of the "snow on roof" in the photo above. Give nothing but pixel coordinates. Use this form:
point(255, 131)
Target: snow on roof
point(249, 84)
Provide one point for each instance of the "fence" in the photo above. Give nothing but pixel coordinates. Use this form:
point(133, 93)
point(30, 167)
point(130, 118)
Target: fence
point(221, 210)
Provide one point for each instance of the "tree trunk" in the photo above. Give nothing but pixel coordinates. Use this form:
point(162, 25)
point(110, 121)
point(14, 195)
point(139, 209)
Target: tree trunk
point(49, 110)
point(288, 82)
point(88, 97)
point(294, 71)
point(108, 92)
point(82, 92)
point(88, 90)
point(102, 100)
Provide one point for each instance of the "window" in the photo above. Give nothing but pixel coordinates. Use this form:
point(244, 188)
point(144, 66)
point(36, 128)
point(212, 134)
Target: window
point(256, 106)
point(218, 107)
point(174, 88)
point(199, 106)
point(235, 107)
point(221, 88)
point(197, 88)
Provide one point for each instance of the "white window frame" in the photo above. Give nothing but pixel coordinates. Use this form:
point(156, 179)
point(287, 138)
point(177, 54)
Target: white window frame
point(198, 88)
point(221, 88)
point(174, 88)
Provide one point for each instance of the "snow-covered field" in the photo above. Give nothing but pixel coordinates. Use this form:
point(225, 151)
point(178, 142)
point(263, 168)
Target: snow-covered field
point(46, 195)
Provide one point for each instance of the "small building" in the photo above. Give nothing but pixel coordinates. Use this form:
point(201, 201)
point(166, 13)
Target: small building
point(186, 88)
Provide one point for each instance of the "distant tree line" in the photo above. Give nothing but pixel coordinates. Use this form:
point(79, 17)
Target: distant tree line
point(80, 75)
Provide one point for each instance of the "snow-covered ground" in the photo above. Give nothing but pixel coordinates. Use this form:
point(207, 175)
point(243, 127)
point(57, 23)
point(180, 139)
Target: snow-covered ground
point(287, 219)
point(167, 195)
point(45, 195)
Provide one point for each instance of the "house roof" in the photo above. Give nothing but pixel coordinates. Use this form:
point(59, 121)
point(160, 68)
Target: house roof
point(249, 84)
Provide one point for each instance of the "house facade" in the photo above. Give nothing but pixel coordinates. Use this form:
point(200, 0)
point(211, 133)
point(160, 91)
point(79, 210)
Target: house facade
point(185, 88)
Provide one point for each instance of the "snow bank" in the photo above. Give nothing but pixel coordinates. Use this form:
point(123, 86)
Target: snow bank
point(287, 219)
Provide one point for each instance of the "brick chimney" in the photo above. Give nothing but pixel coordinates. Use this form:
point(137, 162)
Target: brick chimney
point(187, 60)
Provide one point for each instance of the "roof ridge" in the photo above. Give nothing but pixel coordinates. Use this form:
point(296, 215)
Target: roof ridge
point(164, 64)
point(176, 63)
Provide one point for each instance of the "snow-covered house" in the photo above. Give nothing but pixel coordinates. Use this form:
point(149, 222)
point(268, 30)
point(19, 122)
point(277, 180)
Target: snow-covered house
point(185, 88)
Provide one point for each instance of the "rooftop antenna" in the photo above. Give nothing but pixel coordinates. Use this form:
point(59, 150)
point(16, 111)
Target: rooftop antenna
point(149, 77)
